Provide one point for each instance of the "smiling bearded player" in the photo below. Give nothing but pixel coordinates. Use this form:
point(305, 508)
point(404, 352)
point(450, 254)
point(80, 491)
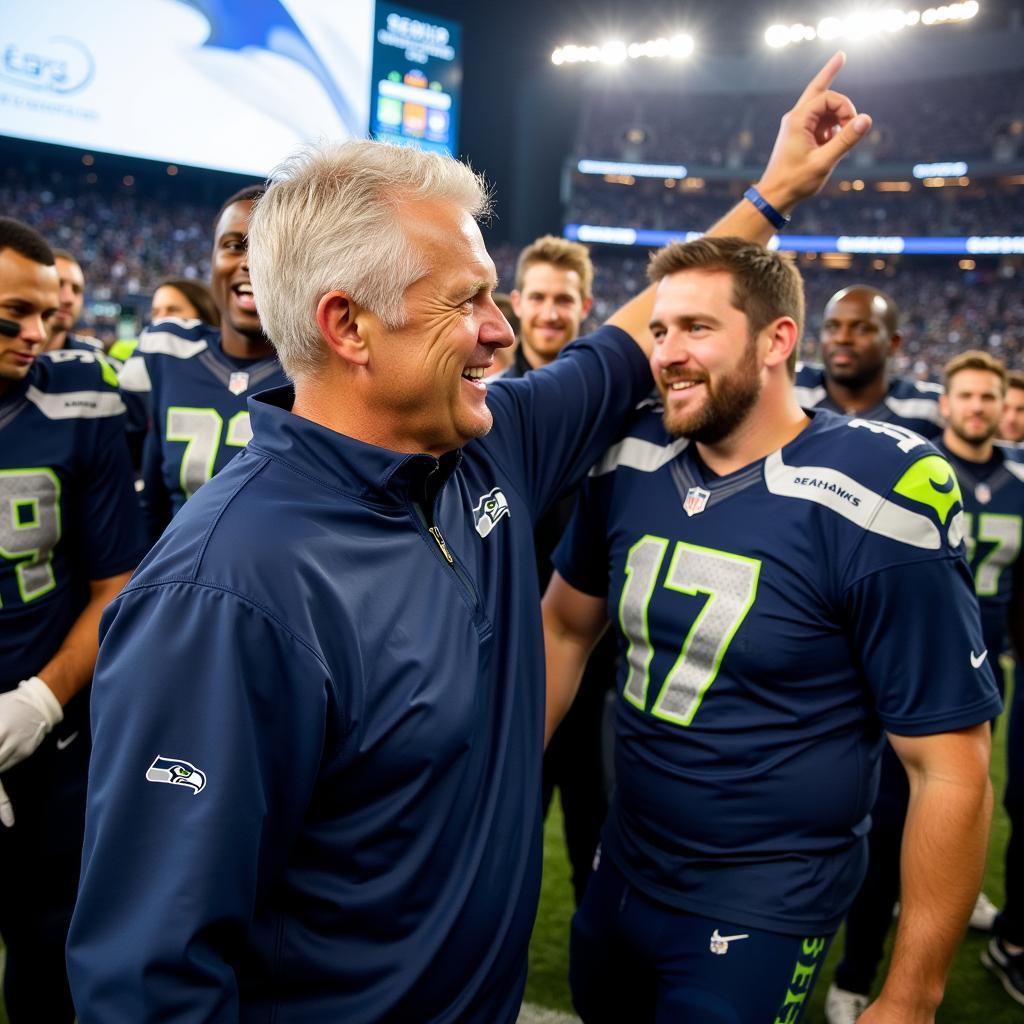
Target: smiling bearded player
point(199, 378)
point(744, 548)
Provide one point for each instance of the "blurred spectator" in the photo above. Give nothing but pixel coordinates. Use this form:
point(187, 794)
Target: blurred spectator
point(69, 310)
point(179, 298)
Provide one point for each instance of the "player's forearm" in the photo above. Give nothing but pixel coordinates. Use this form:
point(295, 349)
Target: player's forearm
point(565, 658)
point(71, 668)
point(943, 859)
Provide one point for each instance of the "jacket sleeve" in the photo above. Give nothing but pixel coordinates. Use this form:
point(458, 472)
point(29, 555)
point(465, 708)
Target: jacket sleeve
point(553, 424)
point(208, 729)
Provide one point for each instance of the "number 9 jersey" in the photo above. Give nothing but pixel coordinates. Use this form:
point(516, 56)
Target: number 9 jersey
point(199, 416)
point(772, 623)
point(68, 512)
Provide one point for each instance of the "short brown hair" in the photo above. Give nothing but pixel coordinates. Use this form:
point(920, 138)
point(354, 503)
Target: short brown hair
point(559, 252)
point(974, 359)
point(765, 285)
point(1015, 379)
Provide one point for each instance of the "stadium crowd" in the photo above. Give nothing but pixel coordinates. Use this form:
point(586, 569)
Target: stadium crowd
point(962, 118)
point(322, 489)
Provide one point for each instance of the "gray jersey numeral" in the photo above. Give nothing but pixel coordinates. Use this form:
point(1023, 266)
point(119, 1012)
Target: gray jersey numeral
point(1004, 532)
point(30, 527)
point(201, 430)
point(730, 584)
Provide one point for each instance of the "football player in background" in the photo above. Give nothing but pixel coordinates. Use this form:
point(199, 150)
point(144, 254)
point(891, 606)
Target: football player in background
point(552, 298)
point(69, 537)
point(61, 325)
point(198, 378)
point(859, 336)
point(743, 548)
point(1011, 424)
point(992, 483)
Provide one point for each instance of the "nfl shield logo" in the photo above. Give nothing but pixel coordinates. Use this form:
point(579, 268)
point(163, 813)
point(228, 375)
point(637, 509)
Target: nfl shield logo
point(238, 383)
point(696, 501)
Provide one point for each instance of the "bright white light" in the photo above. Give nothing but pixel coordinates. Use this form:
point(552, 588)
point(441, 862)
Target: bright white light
point(858, 25)
point(913, 17)
point(681, 45)
point(809, 33)
point(796, 33)
point(930, 16)
point(558, 57)
point(613, 52)
point(892, 19)
point(830, 28)
point(971, 8)
point(777, 36)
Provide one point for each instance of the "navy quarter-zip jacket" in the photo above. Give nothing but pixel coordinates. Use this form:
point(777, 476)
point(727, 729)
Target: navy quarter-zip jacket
point(318, 724)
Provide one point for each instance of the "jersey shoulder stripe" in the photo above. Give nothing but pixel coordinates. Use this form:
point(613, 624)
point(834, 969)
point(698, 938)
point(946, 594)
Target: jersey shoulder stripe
point(636, 453)
point(134, 376)
point(180, 339)
point(76, 405)
point(884, 478)
point(916, 408)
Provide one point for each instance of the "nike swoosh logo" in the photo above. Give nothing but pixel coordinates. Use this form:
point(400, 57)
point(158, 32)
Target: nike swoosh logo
point(63, 744)
point(715, 937)
point(978, 661)
point(943, 488)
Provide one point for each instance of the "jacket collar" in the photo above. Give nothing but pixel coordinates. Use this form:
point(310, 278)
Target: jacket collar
point(359, 469)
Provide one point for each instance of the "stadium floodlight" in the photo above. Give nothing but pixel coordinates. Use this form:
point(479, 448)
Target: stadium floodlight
point(678, 47)
point(951, 169)
point(602, 167)
point(865, 24)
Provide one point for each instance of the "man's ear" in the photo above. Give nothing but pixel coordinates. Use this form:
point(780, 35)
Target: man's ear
point(782, 335)
point(337, 316)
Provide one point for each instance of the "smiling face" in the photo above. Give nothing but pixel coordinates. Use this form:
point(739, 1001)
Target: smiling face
point(29, 295)
point(229, 275)
point(551, 309)
point(426, 377)
point(704, 360)
point(972, 405)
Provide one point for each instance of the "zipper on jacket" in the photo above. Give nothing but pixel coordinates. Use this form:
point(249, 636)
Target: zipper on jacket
point(436, 534)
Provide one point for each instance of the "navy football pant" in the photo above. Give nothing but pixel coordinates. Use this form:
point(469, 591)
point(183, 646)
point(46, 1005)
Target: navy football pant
point(40, 860)
point(635, 959)
point(1009, 925)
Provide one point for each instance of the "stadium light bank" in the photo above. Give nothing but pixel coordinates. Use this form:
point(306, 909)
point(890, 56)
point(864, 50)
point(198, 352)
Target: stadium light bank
point(867, 24)
point(678, 47)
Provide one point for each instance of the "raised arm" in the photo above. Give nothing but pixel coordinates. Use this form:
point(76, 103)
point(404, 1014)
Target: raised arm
point(573, 623)
point(820, 129)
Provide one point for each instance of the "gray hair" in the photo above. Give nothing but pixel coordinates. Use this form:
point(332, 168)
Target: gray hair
point(331, 220)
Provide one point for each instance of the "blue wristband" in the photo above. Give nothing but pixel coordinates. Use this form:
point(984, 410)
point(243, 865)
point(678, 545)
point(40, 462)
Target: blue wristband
point(776, 219)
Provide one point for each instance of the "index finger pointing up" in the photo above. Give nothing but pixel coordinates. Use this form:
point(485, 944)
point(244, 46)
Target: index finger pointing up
point(822, 81)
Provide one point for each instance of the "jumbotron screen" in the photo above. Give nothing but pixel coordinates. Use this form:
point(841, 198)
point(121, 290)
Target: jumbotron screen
point(233, 85)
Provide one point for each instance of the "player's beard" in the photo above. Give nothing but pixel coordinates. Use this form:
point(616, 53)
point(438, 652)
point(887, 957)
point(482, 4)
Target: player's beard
point(976, 440)
point(728, 401)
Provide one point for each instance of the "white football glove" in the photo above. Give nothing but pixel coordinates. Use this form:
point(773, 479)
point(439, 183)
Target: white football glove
point(6, 811)
point(27, 714)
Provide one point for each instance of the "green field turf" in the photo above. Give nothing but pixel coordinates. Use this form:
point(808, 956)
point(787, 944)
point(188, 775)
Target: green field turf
point(973, 995)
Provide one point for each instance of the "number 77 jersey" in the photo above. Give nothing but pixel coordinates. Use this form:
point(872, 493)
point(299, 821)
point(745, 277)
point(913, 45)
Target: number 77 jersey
point(199, 417)
point(772, 623)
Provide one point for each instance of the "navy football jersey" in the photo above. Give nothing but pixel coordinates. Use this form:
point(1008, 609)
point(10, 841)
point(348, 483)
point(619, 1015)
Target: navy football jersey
point(772, 623)
point(68, 512)
point(199, 419)
point(993, 495)
point(908, 403)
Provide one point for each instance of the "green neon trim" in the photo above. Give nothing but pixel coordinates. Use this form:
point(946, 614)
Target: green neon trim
point(1002, 555)
point(723, 643)
point(236, 428)
point(633, 580)
point(206, 459)
point(29, 558)
point(931, 481)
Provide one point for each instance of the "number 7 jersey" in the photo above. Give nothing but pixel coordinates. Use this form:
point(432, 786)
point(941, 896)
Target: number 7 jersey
point(199, 417)
point(772, 623)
